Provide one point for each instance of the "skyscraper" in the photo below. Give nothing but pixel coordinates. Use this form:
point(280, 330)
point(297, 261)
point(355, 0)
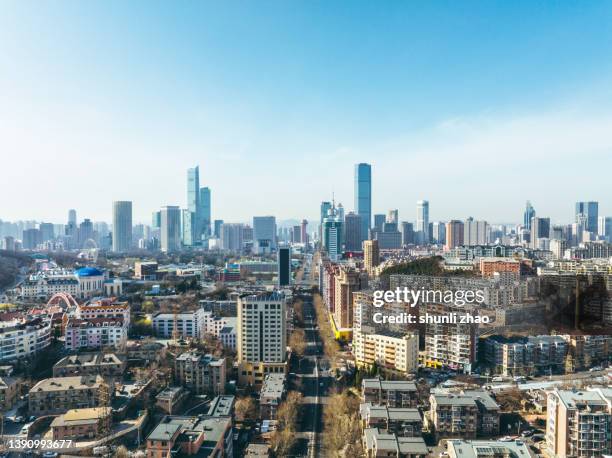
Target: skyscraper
point(454, 234)
point(122, 225)
point(284, 266)
point(371, 255)
point(352, 237)
point(422, 222)
point(72, 217)
point(363, 196)
point(170, 229)
point(540, 229)
point(379, 220)
point(528, 214)
point(232, 236)
point(304, 232)
point(192, 215)
point(393, 216)
point(205, 210)
point(587, 213)
point(332, 235)
point(264, 234)
point(475, 232)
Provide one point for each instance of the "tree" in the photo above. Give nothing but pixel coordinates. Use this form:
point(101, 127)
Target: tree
point(297, 341)
point(342, 435)
point(283, 439)
point(246, 409)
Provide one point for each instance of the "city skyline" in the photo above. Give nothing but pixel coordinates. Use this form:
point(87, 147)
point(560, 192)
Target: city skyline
point(142, 102)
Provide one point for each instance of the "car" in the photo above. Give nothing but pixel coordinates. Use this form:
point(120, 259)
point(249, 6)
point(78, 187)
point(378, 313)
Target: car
point(25, 430)
point(595, 369)
point(19, 419)
point(527, 433)
point(32, 418)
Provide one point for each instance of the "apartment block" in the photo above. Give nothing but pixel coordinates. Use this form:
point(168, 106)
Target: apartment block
point(200, 373)
point(59, 394)
point(401, 421)
point(377, 444)
point(105, 364)
point(390, 393)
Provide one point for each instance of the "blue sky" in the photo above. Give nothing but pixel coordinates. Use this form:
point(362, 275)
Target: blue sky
point(476, 106)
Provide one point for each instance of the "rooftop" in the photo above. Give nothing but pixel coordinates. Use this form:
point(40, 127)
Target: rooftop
point(68, 383)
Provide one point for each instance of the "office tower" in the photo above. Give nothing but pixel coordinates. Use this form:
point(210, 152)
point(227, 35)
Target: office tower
point(454, 234)
point(587, 212)
point(371, 255)
point(422, 222)
point(47, 232)
point(540, 229)
point(340, 211)
point(393, 216)
point(605, 228)
point(389, 238)
point(122, 225)
point(295, 234)
point(284, 266)
point(261, 337)
point(324, 209)
point(332, 232)
point(304, 232)
point(189, 227)
point(557, 233)
point(9, 243)
point(475, 232)
point(407, 233)
point(578, 423)
point(85, 233)
point(72, 217)
point(193, 189)
point(438, 233)
point(352, 232)
point(264, 234)
point(528, 215)
point(156, 220)
point(232, 236)
point(170, 230)
point(205, 210)
point(30, 239)
point(379, 220)
point(363, 196)
point(217, 228)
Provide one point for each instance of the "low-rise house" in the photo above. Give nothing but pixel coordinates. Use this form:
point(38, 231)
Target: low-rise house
point(109, 365)
point(59, 394)
point(9, 391)
point(189, 436)
point(392, 393)
point(377, 444)
point(82, 423)
point(143, 352)
point(401, 421)
point(271, 395)
point(170, 399)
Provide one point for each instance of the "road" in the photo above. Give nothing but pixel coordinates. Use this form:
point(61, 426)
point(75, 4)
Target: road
point(310, 380)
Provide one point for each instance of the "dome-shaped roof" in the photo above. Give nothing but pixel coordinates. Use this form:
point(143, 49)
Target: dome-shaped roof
point(88, 272)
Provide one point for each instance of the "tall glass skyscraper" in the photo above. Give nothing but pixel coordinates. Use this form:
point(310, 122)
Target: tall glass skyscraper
point(205, 210)
point(587, 214)
point(122, 225)
point(529, 213)
point(363, 197)
point(422, 222)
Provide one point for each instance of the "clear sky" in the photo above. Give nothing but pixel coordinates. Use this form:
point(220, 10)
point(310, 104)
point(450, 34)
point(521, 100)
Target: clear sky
point(475, 106)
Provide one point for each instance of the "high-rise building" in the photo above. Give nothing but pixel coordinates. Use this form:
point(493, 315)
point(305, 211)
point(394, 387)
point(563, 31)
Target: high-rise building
point(217, 228)
point(422, 222)
point(438, 233)
point(205, 211)
point(332, 232)
point(284, 266)
point(122, 225)
point(371, 255)
point(304, 232)
point(261, 337)
point(588, 213)
point(454, 234)
point(325, 206)
point(393, 216)
point(31, 238)
point(352, 232)
point(72, 217)
point(407, 233)
point(379, 221)
point(189, 227)
point(264, 234)
point(47, 231)
point(85, 232)
point(540, 229)
point(579, 422)
point(475, 232)
point(232, 236)
point(604, 228)
point(528, 214)
point(170, 229)
point(156, 220)
point(363, 196)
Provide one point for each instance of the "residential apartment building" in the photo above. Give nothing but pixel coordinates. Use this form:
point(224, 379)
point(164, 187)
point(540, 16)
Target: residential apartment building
point(377, 444)
point(188, 324)
point(109, 365)
point(9, 392)
point(401, 421)
point(106, 307)
point(579, 422)
point(57, 395)
point(23, 337)
point(526, 356)
point(390, 393)
point(262, 337)
point(95, 333)
point(200, 373)
point(81, 423)
point(467, 414)
point(489, 448)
